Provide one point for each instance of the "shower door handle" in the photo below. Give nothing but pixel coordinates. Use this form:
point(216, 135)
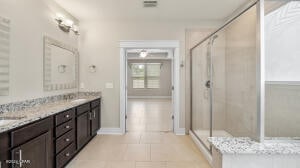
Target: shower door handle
point(207, 84)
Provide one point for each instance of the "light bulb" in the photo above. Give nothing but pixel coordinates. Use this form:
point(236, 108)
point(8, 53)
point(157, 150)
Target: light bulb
point(143, 53)
point(75, 28)
point(59, 16)
point(68, 23)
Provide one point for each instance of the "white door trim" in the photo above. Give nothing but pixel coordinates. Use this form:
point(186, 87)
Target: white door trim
point(170, 44)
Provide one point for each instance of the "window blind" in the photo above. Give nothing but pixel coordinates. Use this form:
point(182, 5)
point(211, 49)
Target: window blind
point(145, 75)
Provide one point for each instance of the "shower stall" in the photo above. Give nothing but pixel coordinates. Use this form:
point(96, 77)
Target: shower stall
point(245, 77)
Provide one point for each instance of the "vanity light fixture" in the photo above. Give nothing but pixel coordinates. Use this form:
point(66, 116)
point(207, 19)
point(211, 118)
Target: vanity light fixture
point(65, 24)
point(92, 68)
point(143, 53)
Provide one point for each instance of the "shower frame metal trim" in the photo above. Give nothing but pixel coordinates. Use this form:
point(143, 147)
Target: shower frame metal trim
point(260, 70)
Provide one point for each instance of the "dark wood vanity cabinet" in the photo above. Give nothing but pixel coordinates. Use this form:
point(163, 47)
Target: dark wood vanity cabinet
point(88, 122)
point(83, 129)
point(95, 121)
point(64, 137)
point(32, 145)
point(4, 149)
point(51, 142)
point(35, 153)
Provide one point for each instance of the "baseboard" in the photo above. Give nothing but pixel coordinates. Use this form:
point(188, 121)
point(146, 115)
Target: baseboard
point(149, 97)
point(110, 131)
point(205, 152)
point(180, 131)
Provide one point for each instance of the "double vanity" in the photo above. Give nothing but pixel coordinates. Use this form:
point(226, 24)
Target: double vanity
point(44, 132)
point(48, 134)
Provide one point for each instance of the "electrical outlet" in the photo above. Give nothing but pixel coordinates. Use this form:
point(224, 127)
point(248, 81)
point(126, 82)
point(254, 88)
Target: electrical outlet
point(109, 85)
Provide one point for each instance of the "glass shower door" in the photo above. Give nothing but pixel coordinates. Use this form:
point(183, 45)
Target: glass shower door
point(218, 86)
point(201, 99)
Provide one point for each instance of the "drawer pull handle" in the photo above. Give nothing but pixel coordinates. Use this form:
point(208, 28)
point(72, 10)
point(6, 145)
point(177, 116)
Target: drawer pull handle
point(90, 116)
point(67, 127)
point(68, 154)
point(67, 140)
point(67, 116)
point(94, 112)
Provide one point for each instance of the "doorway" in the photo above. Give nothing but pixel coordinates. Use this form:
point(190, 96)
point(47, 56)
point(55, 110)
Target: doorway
point(149, 90)
point(149, 101)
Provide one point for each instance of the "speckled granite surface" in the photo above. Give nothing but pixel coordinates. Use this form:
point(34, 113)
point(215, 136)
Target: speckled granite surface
point(33, 110)
point(243, 145)
point(17, 106)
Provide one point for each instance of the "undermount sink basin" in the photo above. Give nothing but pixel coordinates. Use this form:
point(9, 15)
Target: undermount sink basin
point(78, 100)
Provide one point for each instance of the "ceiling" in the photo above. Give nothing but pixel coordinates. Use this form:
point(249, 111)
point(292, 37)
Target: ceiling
point(166, 10)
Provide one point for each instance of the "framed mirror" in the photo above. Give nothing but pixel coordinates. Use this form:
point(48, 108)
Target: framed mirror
point(60, 65)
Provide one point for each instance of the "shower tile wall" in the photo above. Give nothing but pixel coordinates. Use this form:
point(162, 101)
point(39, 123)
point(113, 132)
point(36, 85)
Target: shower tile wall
point(219, 84)
point(241, 107)
point(201, 116)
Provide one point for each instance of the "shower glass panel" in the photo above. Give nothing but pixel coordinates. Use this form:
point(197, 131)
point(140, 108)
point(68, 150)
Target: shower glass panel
point(234, 111)
point(282, 56)
point(224, 81)
point(218, 54)
point(201, 116)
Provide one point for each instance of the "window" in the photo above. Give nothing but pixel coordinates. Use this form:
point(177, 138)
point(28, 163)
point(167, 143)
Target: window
point(138, 76)
point(153, 75)
point(145, 75)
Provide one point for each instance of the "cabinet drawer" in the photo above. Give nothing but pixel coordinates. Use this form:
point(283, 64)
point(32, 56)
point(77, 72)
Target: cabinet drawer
point(63, 157)
point(65, 127)
point(83, 108)
point(31, 131)
point(65, 140)
point(95, 103)
point(64, 116)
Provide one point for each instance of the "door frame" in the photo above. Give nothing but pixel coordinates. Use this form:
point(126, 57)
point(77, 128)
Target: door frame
point(147, 44)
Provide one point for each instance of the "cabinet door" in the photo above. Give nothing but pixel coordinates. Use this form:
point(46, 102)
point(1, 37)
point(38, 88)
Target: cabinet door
point(4, 150)
point(35, 153)
point(95, 125)
point(83, 129)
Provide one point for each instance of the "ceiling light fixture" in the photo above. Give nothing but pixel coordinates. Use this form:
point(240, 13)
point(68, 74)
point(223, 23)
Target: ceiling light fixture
point(143, 53)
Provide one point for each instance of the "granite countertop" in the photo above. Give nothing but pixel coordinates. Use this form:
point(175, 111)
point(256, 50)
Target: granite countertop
point(29, 115)
point(244, 145)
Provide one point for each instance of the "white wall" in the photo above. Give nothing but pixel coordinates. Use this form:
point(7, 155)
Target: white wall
point(30, 21)
point(99, 45)
point(282, 114)
point(282, 28)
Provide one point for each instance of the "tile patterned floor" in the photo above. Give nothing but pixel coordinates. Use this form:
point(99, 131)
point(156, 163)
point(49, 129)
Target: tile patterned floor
point(141, 148)
point(149, 115)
